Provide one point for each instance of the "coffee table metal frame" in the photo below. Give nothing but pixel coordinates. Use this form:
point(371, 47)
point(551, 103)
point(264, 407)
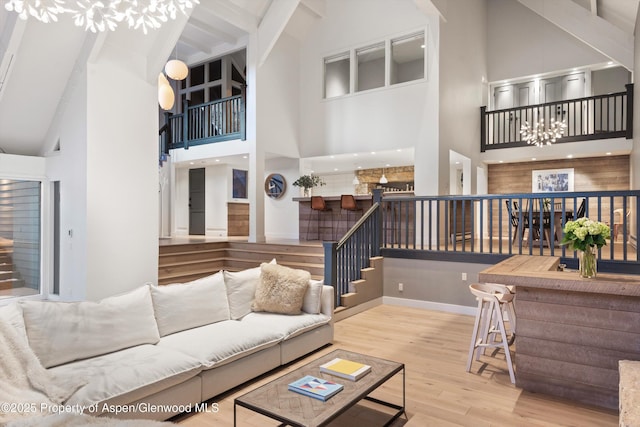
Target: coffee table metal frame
point(360, 395)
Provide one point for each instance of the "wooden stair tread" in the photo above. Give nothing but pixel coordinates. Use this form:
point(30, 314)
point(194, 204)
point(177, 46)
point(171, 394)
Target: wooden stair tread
point(195, 261)
point(204, 251)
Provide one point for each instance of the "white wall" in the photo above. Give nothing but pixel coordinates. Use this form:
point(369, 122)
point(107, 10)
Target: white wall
point(281, 215)
point(522, 43)
point(217, 184)
point(69, 166)
point(122, 177)
point(609, 80)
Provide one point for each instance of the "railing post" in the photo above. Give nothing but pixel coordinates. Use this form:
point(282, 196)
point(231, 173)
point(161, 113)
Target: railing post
point(243, 114)
point(185, 123)
point(168, 135)
point(377, 239)
point(331, 268)
point(629, 111)
point(483, 129)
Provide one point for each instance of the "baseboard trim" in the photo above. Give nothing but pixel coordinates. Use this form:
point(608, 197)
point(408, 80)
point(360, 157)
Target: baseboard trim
point(430, 305)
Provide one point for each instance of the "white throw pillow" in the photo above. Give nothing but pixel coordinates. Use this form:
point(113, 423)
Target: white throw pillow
point(188, 305)
point(312, 303)
point(241, 289)
point(61, 332)
point(12, 314)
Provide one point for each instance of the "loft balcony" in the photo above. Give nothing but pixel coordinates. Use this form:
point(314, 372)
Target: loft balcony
point(215, 121)
point(589, 118)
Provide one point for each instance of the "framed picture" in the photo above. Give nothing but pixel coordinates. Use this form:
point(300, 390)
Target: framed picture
point(239, 184)
point(551, 180)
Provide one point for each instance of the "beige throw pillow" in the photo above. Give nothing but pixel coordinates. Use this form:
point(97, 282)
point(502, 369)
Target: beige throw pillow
point(281, 289)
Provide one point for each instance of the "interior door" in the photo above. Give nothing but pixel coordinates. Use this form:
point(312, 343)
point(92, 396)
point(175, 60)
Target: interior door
point(503, 123)
point(573, 87)
point(525, 95)
point(196, 202)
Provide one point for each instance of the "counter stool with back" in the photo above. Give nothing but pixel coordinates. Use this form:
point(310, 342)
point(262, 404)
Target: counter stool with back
point(319, 206)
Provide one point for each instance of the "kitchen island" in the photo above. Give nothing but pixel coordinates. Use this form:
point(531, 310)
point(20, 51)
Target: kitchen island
point(570, 332)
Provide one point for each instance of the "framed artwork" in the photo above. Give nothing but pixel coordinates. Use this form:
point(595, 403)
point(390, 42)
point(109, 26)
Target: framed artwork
point(239, 184)
point(275, 185)
point(551, 180)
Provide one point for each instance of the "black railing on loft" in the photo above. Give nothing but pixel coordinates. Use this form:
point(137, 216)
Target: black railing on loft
point(490, 228)
point(594, 117)
point(344, 260)
point(215, 121)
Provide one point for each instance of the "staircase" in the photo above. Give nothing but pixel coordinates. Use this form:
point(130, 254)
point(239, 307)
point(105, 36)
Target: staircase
point(9, 278)
point(185, 262)
point(182, 263)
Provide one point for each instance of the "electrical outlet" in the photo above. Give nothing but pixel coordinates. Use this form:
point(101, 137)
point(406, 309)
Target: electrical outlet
point(464, 276)
point(400, 287)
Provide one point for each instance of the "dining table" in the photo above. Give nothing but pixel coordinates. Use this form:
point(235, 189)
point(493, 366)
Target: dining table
point(559, 219)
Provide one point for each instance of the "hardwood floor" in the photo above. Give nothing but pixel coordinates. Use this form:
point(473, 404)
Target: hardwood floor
point(433, 345)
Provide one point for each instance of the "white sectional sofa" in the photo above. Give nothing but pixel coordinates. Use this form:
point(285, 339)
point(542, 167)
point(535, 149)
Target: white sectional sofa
point(154, 351)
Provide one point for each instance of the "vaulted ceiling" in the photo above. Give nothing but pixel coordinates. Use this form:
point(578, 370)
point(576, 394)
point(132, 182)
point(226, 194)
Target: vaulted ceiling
point(37, 60)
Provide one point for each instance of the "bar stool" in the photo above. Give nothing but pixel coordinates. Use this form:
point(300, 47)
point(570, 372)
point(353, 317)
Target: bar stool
point(493, 300)
point(318, 205)
point(348, 203)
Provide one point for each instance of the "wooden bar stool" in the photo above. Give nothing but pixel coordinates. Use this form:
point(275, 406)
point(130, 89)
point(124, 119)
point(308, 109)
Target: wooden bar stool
point(318, 205)
point(348, 203)
point(493, 300)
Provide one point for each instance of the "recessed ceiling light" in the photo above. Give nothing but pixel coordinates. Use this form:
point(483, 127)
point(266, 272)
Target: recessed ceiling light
point(191, 163)
point(355, 154)
point(610, 63)
point(387, 165)
point(457, 163)
point(312, 171)
point(533, 158)
point(217, 160)
point(570, 156)
point(608, 153)
point(373, 152)
point(359, 167)
point(422, 46)
point(335, 169)
point(332, 157)
point(245, 157)
point(399, 150)
point(501, 161)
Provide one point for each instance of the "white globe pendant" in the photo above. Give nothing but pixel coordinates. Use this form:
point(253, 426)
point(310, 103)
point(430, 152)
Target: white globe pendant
point(176, 69)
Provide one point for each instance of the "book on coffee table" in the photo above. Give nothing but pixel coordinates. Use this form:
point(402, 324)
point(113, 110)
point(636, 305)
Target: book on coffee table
point(315, 387)
point(345, 369)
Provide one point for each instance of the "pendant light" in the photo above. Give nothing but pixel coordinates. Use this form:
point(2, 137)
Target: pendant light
point(176, 69)
point(383, 179)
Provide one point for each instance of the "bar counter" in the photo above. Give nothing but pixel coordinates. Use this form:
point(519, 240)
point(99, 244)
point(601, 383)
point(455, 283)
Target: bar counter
point(570, 331)
point(340, 225)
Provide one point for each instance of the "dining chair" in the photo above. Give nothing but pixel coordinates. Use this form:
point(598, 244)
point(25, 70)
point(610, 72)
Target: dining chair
point(619, 222)
point(581, 209)
point(513, 214)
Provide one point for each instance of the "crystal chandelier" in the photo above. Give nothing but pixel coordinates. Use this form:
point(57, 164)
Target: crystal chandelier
point(103, 15)
point(539, 135)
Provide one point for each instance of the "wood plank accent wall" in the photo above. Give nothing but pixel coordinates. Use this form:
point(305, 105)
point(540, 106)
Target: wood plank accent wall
point(237, 219)
point(606, 173)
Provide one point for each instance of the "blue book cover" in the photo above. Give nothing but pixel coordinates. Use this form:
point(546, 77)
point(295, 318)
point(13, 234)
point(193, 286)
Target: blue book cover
point(315, 387)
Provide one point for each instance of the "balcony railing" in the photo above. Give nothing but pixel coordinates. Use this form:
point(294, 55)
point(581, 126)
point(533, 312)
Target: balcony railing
point(489, 228)
point(594, 117)
point(215, 121)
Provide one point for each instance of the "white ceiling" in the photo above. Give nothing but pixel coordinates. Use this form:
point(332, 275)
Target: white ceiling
point(43, 56)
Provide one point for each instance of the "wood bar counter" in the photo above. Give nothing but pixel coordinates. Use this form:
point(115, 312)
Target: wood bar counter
point(571, 332)
point(339, 220)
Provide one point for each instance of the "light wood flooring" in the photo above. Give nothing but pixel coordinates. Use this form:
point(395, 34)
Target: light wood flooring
point(433, 345)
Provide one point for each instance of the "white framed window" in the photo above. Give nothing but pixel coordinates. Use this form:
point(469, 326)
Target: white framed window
point(371, 66)
point(336, 75)
point(407, 58)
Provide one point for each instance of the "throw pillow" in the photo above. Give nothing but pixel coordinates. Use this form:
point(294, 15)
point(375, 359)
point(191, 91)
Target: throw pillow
point(281, 289)
point(312, 302)
point(61, 332)
point(183, 306)
point(241, 288)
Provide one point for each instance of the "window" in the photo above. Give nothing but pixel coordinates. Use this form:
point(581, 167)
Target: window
point(370, 67)
point(336, 75)
point(407, 58)
point(20, 237)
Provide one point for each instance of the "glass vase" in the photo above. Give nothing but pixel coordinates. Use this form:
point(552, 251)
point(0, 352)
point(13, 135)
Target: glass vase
point(588, 262)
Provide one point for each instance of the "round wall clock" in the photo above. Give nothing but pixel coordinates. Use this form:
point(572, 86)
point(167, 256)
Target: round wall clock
point(275, 185)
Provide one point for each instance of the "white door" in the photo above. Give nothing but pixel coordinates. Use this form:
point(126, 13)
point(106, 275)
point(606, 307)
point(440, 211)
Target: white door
point(573, 113)
point(503, 98)
point(525, 95)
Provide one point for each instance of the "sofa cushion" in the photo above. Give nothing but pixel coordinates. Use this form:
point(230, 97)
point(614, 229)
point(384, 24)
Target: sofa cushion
point(12, 314)
point(222, 342)
point(241, 288)
point(312, 302)
point(61, 332)
point(280, 289)
point(285, 326)
point(128, 375)
point(185, 306)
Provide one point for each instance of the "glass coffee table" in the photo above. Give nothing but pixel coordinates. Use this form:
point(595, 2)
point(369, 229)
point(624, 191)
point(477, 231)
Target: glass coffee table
point(274, 400)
